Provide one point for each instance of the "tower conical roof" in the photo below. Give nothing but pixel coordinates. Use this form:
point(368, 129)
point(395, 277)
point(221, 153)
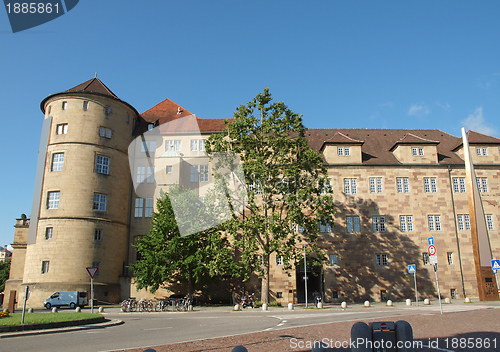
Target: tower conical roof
point(93, 85)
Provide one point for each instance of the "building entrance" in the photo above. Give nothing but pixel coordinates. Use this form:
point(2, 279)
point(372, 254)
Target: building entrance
point(314, 282)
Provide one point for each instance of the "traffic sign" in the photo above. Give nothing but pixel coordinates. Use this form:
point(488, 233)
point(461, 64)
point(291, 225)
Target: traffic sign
point(412, 269)
point(432, 249)
point(433, 259)
point(495, 264)
point(92, 271)
point(430, 240)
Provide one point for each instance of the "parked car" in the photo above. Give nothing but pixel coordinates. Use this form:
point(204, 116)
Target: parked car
point(67, 298)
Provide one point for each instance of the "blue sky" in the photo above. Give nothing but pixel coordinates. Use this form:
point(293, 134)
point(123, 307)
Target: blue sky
point(358, 64)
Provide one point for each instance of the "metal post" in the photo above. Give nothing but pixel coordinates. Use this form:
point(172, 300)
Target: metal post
point(24, 306)
point(305, 272)
point(416, 292)
point(498, 286)
point(92, 295)
point(437, 284)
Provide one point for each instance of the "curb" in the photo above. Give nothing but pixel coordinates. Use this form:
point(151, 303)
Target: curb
point(101, 325)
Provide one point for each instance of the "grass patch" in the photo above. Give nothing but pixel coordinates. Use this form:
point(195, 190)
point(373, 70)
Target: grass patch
point(41, 318)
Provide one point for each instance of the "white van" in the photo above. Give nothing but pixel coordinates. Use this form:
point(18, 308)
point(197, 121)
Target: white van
point(67, 298)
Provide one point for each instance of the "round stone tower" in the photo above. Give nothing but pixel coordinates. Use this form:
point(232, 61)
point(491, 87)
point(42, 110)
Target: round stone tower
point(85, 194)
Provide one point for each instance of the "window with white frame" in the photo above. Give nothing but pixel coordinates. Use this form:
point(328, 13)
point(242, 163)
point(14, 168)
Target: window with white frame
point(151, 126)
point(334, 259)
point(194, 175)
point(141, 174)
point(325, 187)
point(100, 201)
point(403, 185)
point(149, 147)
point(62, 128)
point(102, 165)
point(64, 105)
point(350, 186)
point(169, 146)
point(139, 207)
point(340, 151)
point(203, 173)
point(202, 145)
point(279, 260)
point(406, 223)
point(105, 132)
point(347, 151)
point(459, 185)
point(150, 176)
point(177, 145)
point(425, 258)
point(194, 144)
point(430, 185)
point(98, 235)
point(57, 161)
point(352, 223)
point(378, 223)
point(325, 226)
point(375, 184)
point(420, 151)
point(168, 169)
point(463, 221)
point(48, 232)
point(482, 184)
point(489, 222)
point(148, 211)
point(482, 151)
point(381, 260)
point(45, 266)
point(434, 222)
point(449, 256)
point(85, 105)
point(53, 200)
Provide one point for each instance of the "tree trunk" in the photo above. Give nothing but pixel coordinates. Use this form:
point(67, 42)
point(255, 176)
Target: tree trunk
point(190, 286)
point(265, 280)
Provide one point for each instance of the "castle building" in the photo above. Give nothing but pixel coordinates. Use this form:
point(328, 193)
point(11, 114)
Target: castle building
point(394, 189)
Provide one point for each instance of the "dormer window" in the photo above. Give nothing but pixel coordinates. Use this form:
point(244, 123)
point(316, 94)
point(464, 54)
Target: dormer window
point(151, 126)
point(482, 151)
point(343, 151)
point(417, 151)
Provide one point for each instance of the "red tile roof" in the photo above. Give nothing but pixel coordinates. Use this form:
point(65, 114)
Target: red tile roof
point(410, 138)
point(340, 138)
point(93, 85)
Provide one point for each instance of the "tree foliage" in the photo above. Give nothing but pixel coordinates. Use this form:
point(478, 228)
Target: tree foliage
point(4, 273)
point(168, 258)
point(285, 183)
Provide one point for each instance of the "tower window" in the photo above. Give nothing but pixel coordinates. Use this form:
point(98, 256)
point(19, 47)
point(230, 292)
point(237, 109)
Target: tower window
point(53, 200)
point(100, 201)
point(64, 105)
point(85, 105)
point(107, 110)
point(45, 266)
point(48, 233)
point(98, 235)
point(102, 165)
point(57, 161)
point(105, 132)
point(62, 128)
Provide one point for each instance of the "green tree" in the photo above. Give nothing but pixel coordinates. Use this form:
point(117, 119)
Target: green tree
point(286, 184)
point(168, 258)
point(4, 273)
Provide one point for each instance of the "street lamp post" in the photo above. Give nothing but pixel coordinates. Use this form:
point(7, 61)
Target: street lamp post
point(305, 271)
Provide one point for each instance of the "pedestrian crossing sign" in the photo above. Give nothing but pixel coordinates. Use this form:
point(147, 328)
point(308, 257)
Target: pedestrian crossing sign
point(411, 269)
point(495, 264)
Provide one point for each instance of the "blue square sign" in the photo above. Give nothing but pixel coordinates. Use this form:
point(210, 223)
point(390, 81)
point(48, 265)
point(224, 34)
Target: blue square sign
point(431, 241)
point(412, 268)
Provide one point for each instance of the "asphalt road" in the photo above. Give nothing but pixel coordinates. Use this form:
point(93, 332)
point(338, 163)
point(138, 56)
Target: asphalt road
point(141, 330)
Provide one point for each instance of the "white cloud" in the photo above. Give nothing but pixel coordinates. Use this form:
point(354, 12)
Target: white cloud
point(419, 110)
point(388, 104)
point(476, 122)
point(444, 106)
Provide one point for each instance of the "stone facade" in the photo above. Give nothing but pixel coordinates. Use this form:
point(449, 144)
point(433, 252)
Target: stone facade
point(393, 189)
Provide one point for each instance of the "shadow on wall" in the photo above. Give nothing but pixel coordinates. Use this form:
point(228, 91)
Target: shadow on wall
point(362, 275)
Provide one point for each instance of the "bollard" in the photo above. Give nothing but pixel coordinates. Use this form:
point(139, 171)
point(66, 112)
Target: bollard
point(239, 349)
point(190, 308)
point(404, 336)
point(54, 310)
point(467, 300)
point(408, 302)
point(30, 310)
point(319, 346)
point(6, 310)
point(367, 303)
point(236, 307)
point(389, 303)
point(427, 302)
point(447, 300)
point(264, 306)
point(78, 310)
point(343, 305)
point(320, 305)
point(361, 332)
point(101, 309)
point(290, 306)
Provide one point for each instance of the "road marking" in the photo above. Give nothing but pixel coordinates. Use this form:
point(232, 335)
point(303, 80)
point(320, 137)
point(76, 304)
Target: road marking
point(168, 327)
